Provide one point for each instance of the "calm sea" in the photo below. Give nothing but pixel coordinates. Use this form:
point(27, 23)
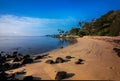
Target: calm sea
point(31, 44)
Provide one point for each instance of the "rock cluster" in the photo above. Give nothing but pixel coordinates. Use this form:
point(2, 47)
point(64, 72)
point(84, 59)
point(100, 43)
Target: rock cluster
point(117, 50)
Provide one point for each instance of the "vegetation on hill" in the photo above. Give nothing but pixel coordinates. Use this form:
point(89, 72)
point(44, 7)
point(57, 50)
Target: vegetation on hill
point(106, 25)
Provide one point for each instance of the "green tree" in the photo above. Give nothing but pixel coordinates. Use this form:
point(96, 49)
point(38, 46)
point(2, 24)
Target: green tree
point(74, 31)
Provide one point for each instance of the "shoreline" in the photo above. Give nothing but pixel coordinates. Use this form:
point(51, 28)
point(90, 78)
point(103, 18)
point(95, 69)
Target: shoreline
point(74, 41)
point(100, 61)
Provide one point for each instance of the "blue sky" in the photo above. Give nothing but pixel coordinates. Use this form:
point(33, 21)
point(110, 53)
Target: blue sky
point(40, 17)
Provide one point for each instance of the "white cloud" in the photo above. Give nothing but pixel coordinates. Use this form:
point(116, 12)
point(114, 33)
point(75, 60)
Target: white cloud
point(16, 25)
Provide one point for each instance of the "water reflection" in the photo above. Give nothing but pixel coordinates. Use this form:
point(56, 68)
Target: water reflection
point(31, 45)
point(62, 41)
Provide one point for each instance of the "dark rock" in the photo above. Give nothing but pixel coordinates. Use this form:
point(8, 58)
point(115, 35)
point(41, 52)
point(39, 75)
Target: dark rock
point(15, 52)
point(61, 75)
point(3, 75)
point(28, 78)
point(116, 49)
point(6, 66)
point(1, 68)
point(11, 77)
point(50, 62)
point(2, 52)
point(8, 56)
point(27, 60)
point(2, 59)
point(20, 55)
point(17, 59)
point(16, 65)
point(61, 47)
point(68, 57)
point(26, 57)
point(59, 60)
point(117, 41)
point(38, 57)
point(41, 56)
point(14, 55)
point(79, 61)
point(36, 78)
point(118, 54)
point(31, 78)
point(19, 73)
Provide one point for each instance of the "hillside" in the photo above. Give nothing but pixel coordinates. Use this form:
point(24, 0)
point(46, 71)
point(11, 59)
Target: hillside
point(106, 25)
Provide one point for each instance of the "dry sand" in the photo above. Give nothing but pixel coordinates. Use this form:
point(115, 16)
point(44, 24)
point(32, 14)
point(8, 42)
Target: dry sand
point(101, 62)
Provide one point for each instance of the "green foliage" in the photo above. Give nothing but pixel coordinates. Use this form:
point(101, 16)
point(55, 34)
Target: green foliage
point(101, 33)
point(82, 33)
point(74, 31)
point(110, 34)
point(106, 25)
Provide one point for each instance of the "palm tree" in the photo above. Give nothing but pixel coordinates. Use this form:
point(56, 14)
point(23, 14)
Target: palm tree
point(61, 32)
point(80, 24)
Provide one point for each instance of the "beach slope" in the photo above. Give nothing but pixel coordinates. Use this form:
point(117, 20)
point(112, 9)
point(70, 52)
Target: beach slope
point(101, 62)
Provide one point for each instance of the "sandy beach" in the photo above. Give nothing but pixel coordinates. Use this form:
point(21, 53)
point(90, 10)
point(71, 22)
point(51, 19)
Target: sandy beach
point(100, 61)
